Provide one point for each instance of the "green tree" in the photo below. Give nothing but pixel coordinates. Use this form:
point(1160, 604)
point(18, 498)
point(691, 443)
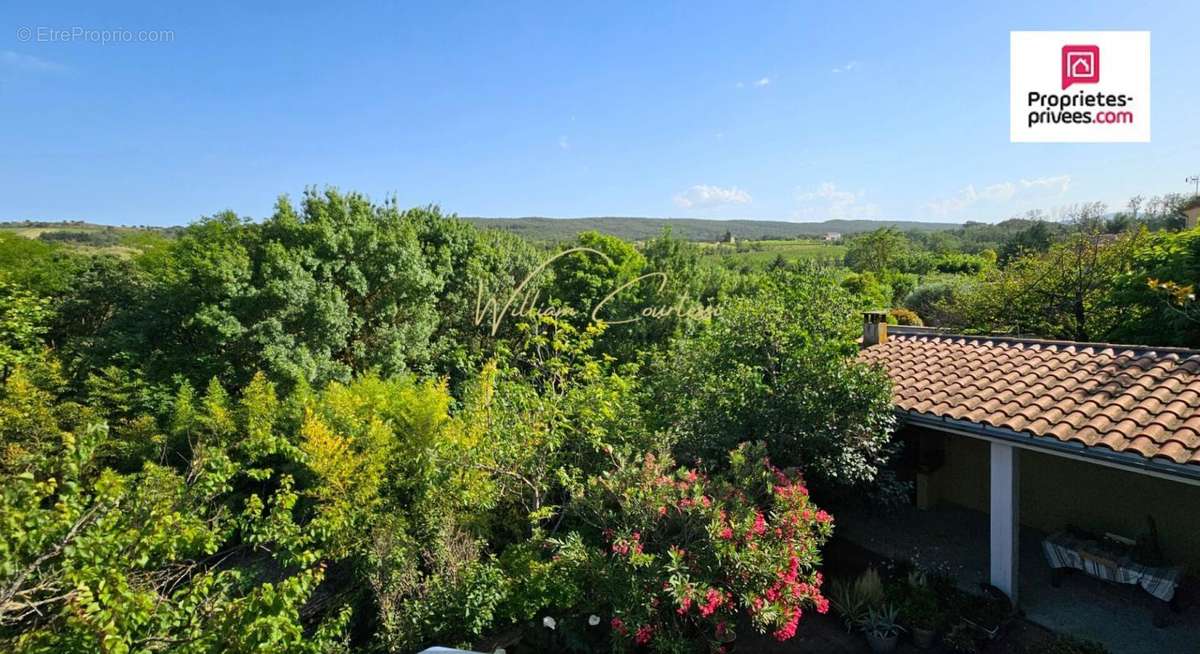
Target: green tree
point(340, 287)
point(677, 292)
point(23, 321)
point(337, 287)
point(472, 266)
point(42, 268)
point(778, 366)
point(1156, 298)
point(1062, 293)
point(870, 292)
point(876, 251)
point(92, 559)
point(582, 280)
point(1034, 239)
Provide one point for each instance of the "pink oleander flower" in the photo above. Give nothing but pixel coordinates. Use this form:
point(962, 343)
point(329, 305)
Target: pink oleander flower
point(712, 601)
point(789, 628)
point(644, 634)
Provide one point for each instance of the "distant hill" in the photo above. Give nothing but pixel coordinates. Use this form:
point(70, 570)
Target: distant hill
point(539, 229)
point(89, 237)
point(33, 228)
point(691, 229)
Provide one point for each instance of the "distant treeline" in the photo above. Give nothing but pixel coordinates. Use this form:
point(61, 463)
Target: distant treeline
point(689, 229)
point(99, 238)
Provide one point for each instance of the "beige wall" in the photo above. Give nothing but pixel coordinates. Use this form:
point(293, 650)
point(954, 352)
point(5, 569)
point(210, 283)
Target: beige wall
point(1190, 217)
point(1056, 491)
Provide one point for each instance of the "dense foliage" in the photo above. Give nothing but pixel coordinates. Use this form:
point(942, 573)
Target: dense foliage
point(1126, 276)
point(747, 539)
point(351, 427)
point(776, 366)
point(325, 432)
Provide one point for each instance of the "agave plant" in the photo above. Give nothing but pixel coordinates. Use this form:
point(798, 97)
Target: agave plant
point(881, 622)
point(849, 604)
point(855, 600)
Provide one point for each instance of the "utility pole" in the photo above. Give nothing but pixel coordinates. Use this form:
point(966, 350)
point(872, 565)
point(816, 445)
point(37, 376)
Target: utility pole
point(1194, 179)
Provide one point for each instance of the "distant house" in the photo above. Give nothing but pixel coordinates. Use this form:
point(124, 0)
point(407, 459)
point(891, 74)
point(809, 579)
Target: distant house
point(832, 236)
point(1191, 211)
point(728, 238)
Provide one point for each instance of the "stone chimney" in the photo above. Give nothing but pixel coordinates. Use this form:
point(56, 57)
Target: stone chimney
point(874, 328)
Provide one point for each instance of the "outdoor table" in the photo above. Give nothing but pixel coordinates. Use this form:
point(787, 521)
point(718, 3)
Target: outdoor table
point(1065, 552)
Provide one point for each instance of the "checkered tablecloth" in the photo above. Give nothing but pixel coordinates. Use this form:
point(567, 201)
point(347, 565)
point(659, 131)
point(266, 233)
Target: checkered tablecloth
point(1064, 551)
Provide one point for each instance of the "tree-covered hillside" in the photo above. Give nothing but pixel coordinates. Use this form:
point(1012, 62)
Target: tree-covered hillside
point(689, 229)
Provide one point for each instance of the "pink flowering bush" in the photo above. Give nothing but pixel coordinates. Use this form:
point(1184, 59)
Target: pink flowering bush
point(677, 556)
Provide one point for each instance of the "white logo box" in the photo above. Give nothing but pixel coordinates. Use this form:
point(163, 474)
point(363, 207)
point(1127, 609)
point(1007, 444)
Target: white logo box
point(1036, 65)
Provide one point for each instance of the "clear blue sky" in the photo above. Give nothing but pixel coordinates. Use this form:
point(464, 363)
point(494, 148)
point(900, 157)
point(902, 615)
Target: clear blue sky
point(782, 111)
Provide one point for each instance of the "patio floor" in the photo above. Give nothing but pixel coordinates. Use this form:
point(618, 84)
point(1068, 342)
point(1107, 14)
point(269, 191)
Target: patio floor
point(955, 540)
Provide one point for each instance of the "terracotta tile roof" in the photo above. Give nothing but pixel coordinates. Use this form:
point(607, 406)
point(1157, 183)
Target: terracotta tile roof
point(1125, 398)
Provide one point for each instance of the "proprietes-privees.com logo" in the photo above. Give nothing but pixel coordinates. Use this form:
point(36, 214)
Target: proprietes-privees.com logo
point(1080, 87)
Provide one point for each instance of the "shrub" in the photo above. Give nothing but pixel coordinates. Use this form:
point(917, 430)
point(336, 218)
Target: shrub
point(918, 263)
point(961, 264)
point(94, 238)
point(677, 554)
point(94, 560)
point(920, 609)
point(778, 367)
point(901, 284)
point(904, 316)
point(930, 300)
point(868, 289)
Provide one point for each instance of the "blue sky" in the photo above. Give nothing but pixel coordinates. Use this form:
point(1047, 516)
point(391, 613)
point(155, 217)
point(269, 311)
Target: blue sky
point(788, 111)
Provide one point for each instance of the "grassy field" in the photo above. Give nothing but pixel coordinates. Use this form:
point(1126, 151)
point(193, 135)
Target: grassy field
point(757, 255)
point(85, 237)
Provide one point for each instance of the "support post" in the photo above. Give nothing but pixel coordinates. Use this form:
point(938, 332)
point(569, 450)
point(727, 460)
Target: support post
point(1005, 519)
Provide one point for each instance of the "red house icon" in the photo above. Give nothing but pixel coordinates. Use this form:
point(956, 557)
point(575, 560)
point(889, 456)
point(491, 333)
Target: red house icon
point(1080, 64)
